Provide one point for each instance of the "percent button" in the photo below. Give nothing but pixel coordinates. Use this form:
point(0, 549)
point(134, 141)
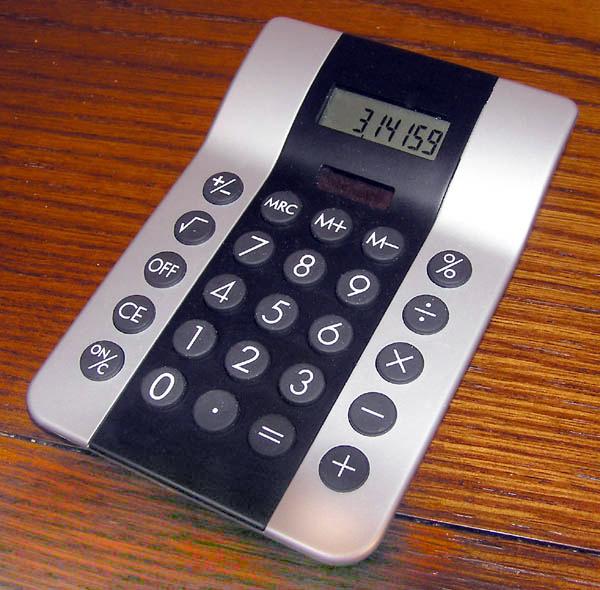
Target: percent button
point(449, 269)
point(425, 314)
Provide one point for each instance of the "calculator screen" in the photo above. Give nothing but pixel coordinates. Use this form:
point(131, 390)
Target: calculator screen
point(384, 123)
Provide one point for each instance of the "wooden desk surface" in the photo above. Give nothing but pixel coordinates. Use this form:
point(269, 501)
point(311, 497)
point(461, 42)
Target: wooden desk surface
point(102, 106)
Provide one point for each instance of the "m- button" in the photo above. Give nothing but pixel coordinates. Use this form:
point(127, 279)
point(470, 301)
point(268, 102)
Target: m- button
point(383, 244)
point(133, 314)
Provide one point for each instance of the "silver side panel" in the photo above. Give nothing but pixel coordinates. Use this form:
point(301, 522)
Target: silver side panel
point(273, 80)
point(486, 215)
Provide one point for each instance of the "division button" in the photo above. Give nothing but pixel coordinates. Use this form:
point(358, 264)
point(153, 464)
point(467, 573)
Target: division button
point(331, 226)
point(330, 334)
point(194, 339)
point(163, 387)
point(133, 314)
point(272, 435)
point(400, 362)
point(194, 227)
point(247, 360)
point(302, 384)
point(101, 360)
point(358, 288)
point(224, 292)
point(276, 313)
point(425, 314)
point(253, 248)
point(281, 208)
point(383, 244)
point(216, 410)
point(165, 269)
point(344, 468)
point(372, 414)
point(223, 188)
point(449, 269)
point(304, 267)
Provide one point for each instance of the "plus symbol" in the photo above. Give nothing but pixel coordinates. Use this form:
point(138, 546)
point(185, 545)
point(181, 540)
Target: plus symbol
point(343, 466)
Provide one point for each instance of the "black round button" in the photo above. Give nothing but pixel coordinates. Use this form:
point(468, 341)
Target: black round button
point(330, 334)
point(344, 468)
point(224, 292)
point(253, 248)
point(372, 414)
point(247, 360)
point(194, 339)
point(223, 188)
point(281, 208)
point(358, 288)
point(216, 410)
point(383, 244)
point(163, 387)
point(101, 360)
point(302, 384)
point(331, 226)
point(400, 362)
point(304, 267)
point(449, 269)
point(133, 314)
point(194, 227)
point(425, 314)
point(165, 269)
point(272, 435)
point(276, 313)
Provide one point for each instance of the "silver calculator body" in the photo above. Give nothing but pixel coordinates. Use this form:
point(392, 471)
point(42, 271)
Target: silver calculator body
point(283, 336)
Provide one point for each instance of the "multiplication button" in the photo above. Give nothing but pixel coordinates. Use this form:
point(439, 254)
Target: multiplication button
point(400, 363)
point(133, 314)
point(372, 414)
point(165, 269)
point(425, 314)
point(194, 227)
point(272, 435)
point(449, 269)
point(344, 468)
point(101, 360)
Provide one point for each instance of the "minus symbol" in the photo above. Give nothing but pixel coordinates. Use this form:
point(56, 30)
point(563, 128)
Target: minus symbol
point(368, 411)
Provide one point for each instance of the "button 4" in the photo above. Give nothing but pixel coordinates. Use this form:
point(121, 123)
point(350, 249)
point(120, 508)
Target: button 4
point(224, 292)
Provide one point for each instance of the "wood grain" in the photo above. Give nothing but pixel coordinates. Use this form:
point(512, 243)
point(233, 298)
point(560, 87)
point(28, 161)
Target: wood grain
point(102, 104)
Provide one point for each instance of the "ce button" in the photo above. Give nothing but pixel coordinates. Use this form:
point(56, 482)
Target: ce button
point(133, 314)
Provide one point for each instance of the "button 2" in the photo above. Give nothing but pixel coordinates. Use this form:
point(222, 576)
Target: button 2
point(194, 227)
point(372, 414)
point(223, 188)
point(272, 435)
point(133, 314)
point(165, 269)
point(101, 360)
point(400, 363)
point(344, 468)
point(247, 360)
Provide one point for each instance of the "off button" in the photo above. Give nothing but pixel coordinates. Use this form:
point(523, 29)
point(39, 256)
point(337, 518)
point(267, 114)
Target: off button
point(165, 269)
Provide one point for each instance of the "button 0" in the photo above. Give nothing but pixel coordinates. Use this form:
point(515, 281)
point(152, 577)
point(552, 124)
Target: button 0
point(383, 244)
point(357, 288)
point(216, 410)
point(449, 269)
point(101, 360)
point(281, 208)
point(400, 363)
point(425, 314)
point(272, 435)
point(372, 414)
point(163, 387)
point(165, 269)
point(133, 314)
point(331, 226)
point(194, 227)
point(253, 248)
point(344, 468)
point(223, 188)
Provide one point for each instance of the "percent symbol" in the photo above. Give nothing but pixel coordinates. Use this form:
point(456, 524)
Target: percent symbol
point(450, 261)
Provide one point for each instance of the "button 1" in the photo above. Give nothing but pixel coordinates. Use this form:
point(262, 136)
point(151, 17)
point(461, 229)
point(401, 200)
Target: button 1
point(330, 334)
point(425, 314)
point(344, 469)
point(165, 269)
point(302, 384)
point(224, 292)
point(449, 269)
point(400, 362)
point(194, 339)
point(101, 360)
point(272, 435)
point(133, 314)
point(247, 360)
point(304, 267)
point(331, 226)
point(194, 227)
point(216, 410)
point(163, 387)
point(253, 248)
point(281, 208)
point(357, 288)
point(223, 188)
point(383, 244)
point(372, 414)
point(276, 313)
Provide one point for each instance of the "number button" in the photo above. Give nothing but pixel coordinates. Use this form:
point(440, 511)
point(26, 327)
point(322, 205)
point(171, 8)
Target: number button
point(215, 410)
point(194, 339)
point(331, 226)
point(253, 248)
point(247, 360)
point(330, 334)
point(302, 384)
point(304, 267)
point(165, 269)
point(101, 360)
point(194, 227)
point(281, 208)
point(224, 292)
point(383, 244)
point(163, 387)
point(358, 288)
point(276, 313)
point(272, 435)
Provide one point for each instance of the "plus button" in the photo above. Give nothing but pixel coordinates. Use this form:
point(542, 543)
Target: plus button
point(344, 468)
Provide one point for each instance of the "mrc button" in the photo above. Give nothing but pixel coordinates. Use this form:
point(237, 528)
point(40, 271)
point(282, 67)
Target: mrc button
point(133, 314)
point(281, 208)
point(165, 269)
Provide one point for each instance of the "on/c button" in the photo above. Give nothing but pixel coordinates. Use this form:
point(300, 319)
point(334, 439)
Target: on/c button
point(133, 314)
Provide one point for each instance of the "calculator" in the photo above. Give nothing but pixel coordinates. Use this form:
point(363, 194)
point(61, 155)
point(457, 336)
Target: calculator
point(282, 338)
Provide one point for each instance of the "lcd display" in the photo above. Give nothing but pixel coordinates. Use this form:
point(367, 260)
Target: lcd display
point(384, 123)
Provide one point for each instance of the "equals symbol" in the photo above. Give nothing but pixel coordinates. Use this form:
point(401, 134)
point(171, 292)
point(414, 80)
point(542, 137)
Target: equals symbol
point(270, 432)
